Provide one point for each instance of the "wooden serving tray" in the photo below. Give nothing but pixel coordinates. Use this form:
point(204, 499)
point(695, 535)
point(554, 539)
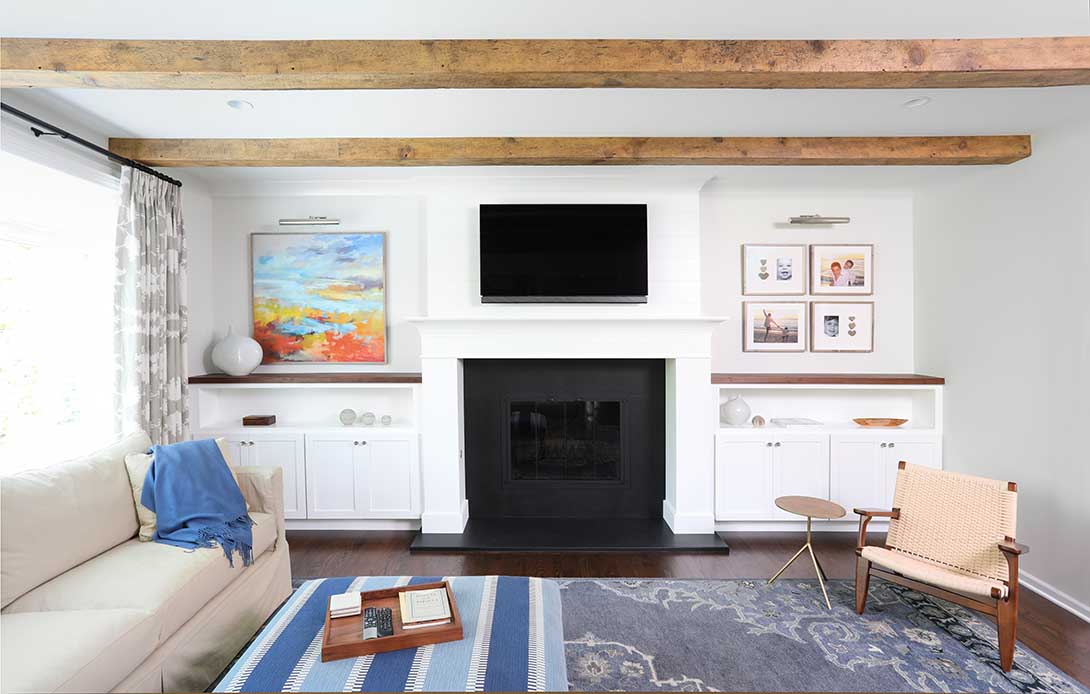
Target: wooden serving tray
point(343, 637)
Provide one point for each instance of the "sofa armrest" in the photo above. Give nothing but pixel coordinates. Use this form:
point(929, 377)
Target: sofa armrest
point(865, 516)
point(263, 488)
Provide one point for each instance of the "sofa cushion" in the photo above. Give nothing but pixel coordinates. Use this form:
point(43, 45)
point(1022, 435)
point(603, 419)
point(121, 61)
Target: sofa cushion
point(73, 651)
point(57, 517)
point(172, 582)
point(928, 572)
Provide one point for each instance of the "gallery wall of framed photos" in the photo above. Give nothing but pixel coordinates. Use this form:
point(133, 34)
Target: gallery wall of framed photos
point(818, 270)
point(822, 298)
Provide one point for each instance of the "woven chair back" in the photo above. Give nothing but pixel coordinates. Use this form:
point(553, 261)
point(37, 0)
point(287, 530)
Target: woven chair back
point(954, 520)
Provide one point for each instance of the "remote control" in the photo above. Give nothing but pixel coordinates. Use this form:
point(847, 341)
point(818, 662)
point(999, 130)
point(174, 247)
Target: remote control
point(377, 622)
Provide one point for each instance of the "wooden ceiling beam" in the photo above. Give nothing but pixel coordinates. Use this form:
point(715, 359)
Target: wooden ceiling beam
point(470, 64)
point(577, 151)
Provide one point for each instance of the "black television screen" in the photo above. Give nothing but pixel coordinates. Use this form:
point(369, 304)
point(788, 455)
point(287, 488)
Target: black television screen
point(564, 253)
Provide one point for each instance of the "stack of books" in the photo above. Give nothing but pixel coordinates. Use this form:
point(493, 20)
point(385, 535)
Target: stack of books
point(424, 608)
point(345, 605)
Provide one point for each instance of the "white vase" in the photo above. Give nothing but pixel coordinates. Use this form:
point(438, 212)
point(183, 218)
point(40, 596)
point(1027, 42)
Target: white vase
point(236, 355)
point(735, 411)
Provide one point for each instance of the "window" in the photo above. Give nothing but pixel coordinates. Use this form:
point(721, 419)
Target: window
point(56, 314)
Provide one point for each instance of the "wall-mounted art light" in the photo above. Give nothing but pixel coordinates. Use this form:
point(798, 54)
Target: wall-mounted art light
point(309, 221)
point(818, 219)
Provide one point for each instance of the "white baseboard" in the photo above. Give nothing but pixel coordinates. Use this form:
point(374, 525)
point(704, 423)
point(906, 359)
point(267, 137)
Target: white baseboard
point(687, 523)
point(1054, 595)
point(446, 522)
point(351, 524)
point(787, 526)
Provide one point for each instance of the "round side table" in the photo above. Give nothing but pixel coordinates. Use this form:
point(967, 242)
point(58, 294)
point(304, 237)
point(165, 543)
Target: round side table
point(810, 507)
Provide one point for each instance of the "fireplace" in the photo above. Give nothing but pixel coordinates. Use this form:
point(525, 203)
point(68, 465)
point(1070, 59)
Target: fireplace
point(565, 438)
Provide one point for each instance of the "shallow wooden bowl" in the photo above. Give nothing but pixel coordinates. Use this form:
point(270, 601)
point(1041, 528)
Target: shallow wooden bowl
point(879, 422)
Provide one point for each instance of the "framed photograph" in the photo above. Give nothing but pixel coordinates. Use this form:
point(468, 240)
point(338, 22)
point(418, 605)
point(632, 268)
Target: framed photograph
point(770, 270)
point(774, 326)
point(842, 269)
point(841, 326)
point(320, 297)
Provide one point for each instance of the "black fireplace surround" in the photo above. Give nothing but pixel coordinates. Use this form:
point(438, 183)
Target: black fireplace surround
point(565, 438)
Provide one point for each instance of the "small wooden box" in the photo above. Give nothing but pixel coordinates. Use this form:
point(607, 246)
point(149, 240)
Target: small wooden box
point(343, 636)
point(258, 420)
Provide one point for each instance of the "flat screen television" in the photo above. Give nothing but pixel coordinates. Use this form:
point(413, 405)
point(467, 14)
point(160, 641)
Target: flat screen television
point(564, 253)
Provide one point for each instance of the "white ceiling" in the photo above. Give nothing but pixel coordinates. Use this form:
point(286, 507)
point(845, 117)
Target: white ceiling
point(418, 19)
point(586, 112)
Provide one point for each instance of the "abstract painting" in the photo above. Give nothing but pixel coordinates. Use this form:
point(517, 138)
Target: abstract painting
point(320, 297)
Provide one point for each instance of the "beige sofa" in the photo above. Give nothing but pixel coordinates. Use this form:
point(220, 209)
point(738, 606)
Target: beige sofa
point(87, 607)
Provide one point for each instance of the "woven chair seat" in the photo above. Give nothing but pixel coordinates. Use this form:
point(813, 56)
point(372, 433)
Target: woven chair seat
point(927, 572)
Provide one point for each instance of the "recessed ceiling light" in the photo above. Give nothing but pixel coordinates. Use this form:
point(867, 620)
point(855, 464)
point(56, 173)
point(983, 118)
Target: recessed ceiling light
point(240, 105)
point(917, 102)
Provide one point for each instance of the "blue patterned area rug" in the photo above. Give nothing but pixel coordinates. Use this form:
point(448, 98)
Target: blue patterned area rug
point(738, 635)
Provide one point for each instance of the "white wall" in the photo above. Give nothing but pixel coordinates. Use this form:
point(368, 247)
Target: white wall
point(1003, 312)
point(235, 218)
point(197, 220)
point(729, 219)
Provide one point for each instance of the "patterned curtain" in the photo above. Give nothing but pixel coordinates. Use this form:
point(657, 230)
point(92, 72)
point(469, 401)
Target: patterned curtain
point(150, 312)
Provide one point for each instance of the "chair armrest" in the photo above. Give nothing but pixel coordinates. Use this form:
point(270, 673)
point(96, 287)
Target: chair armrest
point(878, 513)
point(865, 516)
point(263, 488)
point(1012, 547)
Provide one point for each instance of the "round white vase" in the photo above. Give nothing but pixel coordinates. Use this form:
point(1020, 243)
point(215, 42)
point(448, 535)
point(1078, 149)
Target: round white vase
point(735, 411)
point(236, 355)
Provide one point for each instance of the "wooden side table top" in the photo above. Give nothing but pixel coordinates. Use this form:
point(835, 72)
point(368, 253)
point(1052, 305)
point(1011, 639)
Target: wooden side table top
point(811, 507)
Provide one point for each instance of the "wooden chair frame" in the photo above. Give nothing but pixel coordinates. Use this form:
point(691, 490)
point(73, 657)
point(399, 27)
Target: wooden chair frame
point(1005, 610)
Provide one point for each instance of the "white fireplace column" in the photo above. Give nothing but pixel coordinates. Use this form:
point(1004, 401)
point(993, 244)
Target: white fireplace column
point(684, 344)
point(442, 461)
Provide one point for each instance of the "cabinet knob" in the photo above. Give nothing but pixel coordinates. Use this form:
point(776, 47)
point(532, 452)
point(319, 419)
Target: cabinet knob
point(355, 443)
point(363, 443)
point(777, 444)
point(883, 445)
point(891, 445)
point(769, 444)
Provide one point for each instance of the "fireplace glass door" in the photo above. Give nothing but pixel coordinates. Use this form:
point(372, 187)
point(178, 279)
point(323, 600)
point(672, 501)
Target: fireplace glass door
point(566, 440)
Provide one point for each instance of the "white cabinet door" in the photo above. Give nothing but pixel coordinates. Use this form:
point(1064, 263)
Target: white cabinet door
point(336, 469)
point(391, 478)
point(800, 466)
point(743, 477)
point(236, 449)
point(284, 451)
point(857, 473)
point(917, 449)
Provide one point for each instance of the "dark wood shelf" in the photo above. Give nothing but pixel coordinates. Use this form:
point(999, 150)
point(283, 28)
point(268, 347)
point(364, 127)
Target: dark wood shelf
point(319, 378)
point(829, 379)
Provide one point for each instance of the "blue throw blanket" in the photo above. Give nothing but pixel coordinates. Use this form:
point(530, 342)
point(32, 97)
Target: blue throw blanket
point(196, 501)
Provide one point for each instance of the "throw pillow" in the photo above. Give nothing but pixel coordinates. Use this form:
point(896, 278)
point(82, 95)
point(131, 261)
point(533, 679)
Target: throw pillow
point(137, 465)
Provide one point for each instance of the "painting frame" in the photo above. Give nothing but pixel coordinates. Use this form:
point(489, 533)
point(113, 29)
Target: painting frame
point(865, 250)
point(750, 345)
point(385, 246)
point(817, 344)
point(749, 276)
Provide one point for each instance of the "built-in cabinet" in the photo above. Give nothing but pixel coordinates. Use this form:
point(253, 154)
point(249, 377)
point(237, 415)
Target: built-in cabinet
point(353, 475)
point(283, 450)
point(837, 460)
point(331, 471)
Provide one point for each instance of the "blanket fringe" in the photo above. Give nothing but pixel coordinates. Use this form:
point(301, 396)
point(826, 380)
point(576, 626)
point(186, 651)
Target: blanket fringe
point(229, 536)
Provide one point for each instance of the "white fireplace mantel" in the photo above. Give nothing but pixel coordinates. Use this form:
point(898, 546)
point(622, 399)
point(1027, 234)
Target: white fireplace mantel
point(582, 336)
point(683, 342)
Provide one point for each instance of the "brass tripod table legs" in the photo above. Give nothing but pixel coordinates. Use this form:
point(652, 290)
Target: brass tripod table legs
point(802, 506)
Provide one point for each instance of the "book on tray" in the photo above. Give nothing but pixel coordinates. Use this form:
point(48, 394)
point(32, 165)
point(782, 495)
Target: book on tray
point(344, 605)
point(793, 422)
point(424, 608)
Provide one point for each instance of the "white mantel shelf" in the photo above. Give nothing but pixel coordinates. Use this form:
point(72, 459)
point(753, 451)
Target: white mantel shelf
point(572, 336)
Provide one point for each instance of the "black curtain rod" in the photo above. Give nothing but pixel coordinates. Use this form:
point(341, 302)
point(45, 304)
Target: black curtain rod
point(39, 127)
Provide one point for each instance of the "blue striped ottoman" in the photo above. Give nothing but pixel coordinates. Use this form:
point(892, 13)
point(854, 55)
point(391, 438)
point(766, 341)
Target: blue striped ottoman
point(514, 641)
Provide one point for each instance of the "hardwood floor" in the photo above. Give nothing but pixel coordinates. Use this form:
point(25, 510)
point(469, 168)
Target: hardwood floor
point(1056, 634)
